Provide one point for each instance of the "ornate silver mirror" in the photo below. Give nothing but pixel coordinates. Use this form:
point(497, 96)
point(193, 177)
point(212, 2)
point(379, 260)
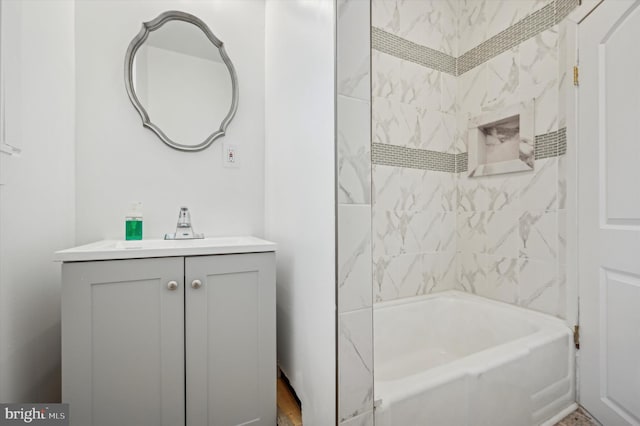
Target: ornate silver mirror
point(181, 81)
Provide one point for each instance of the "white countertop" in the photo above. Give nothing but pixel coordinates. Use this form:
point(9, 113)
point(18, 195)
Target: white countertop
point(119, 249)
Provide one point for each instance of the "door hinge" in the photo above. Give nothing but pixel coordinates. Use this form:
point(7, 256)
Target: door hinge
point(576, 336)
point(576, 80)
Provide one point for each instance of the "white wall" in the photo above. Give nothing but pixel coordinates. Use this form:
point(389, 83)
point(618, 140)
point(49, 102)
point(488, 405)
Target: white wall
point(37, 195)
point(118, 161)
point(300, 195)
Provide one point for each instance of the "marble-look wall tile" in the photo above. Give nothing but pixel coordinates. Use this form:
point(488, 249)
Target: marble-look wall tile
point(353, 58)
point(472, 232)
point(354, 251)
point(354, 257)
point(356, 363)
point(439, 232)
point(365, 419)
point(438, 272)
point(502, 279)
point(397, 276)
point(472, 91)
point(472, 271)
point(488, 232)
point(385, 15)
point(497, 192)
point(489, 276)
point(395, 123)
point(561, 308)
point(546, 106)
point(565, 65)
point(397, 232)
point(481, 20)
point(472, 26)
point(501, 14)
point(406, 82)
point(413, 274)
point(449, 16)
point(437, 130)
point(400, 124)
point(538, 232)
point(503, 80)
point(539, 288)
point(430, 23)
point(562, 182)
point(354, 151)
point(449, 92)
point(538, 188)
point(440, 191)
point(562, 238)
point(502, 233)
point(539, 60)
point(401, 189)
point(462, 135)
point(472, 195)
point(414, 211)
point(448, 189)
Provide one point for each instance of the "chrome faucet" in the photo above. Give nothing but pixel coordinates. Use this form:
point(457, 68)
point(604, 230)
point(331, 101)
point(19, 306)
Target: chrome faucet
point(184, 230)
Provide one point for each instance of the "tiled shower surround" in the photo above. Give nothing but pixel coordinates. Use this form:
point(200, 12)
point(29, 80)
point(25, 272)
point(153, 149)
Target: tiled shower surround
point(434, 228)
point(435, 64)
point(353, 123)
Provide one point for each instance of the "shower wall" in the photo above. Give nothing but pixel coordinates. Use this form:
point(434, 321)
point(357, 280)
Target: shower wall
point(435, 64)
point(410, 221)
point(353, 145)
point(511, 228)
point(414, 142)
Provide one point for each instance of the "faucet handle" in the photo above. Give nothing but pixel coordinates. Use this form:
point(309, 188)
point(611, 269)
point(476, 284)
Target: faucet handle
point(184, 230)
point(184, 218)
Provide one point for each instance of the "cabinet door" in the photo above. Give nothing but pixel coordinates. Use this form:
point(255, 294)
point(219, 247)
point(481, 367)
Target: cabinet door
point(231, 340)
point(123, 342)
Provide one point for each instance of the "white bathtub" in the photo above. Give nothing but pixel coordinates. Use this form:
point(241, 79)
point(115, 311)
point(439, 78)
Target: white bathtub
point(454, 359)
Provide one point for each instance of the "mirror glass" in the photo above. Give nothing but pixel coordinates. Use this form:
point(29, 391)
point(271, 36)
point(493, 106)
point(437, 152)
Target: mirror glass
point(183, 84)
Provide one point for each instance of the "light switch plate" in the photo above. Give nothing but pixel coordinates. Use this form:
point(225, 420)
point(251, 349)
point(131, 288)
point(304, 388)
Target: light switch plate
point(230, 157)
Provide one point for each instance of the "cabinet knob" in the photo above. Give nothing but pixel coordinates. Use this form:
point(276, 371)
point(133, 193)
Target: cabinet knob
point(172, 285)
point(196, 284)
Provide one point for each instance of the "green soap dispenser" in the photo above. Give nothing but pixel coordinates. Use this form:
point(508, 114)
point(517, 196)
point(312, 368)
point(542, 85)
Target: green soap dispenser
point(133, 222)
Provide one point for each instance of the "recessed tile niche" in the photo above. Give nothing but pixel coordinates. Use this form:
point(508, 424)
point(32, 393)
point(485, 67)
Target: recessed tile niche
point(502, 141)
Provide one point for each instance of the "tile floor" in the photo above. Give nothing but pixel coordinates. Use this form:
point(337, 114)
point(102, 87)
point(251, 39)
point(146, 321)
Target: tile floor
point(577, 418)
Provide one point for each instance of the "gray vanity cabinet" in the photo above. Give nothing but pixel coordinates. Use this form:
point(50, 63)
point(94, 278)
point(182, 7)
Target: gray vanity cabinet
point(170, 341)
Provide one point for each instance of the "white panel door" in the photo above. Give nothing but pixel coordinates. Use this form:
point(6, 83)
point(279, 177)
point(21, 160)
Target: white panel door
point(231, 340)
point(609, 212)
point(123, 342)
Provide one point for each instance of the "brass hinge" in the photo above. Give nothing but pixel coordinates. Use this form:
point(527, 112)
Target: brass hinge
point(576, 81)
point(576, 336)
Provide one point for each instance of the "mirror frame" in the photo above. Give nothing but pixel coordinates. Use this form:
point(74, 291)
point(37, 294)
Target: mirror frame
point(139, 39)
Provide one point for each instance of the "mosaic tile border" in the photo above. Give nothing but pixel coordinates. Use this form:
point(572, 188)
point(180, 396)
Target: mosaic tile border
point(552, 144)
point(530, 26)
point(547, 145)
point(564, 8)
point(409, 51)
point(462, 162)
point(411, 158)
point(539, 21)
